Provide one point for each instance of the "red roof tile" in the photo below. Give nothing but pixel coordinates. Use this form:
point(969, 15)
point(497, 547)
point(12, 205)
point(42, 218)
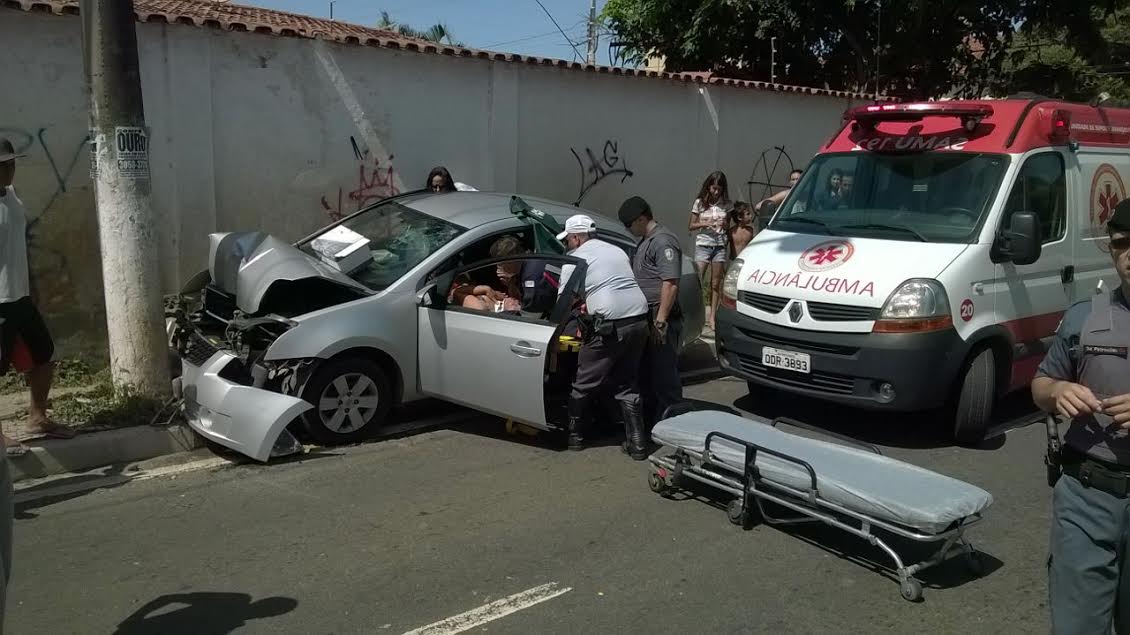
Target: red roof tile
point(234, 17)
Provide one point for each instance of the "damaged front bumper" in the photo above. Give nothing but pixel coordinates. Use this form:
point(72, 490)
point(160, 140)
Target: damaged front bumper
point(249, 420)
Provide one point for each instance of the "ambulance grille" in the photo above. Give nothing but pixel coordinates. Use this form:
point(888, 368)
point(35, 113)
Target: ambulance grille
point(767, 303)
point(825, 312)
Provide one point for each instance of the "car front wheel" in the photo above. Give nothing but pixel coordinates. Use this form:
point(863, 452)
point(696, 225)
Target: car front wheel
point(351, 399)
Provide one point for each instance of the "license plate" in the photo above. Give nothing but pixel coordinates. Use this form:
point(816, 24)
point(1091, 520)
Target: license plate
point(787, 360)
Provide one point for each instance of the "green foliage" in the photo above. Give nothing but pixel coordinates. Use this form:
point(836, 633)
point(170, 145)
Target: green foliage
point(929, 48)
point(438, 32)
point(104, 407)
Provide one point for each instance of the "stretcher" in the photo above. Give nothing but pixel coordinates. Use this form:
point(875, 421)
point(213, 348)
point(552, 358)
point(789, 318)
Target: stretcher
point(853, 487)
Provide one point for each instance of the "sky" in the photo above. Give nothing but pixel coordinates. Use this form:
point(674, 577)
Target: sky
point(512, 26)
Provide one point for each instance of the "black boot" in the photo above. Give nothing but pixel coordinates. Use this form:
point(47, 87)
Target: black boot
point(635, 443)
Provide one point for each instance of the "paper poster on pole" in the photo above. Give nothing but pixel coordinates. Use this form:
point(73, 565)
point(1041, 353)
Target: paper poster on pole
point(132, 147)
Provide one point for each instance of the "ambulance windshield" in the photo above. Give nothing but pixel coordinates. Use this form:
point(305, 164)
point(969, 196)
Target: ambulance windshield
point(928, 197)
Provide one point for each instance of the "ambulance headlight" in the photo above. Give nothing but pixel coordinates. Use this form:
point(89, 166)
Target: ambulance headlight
point(730, 282)
point(916, 299)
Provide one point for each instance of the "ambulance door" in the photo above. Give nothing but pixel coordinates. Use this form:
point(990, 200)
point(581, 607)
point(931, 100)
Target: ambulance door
point(1031, 298)
point(1102, 186)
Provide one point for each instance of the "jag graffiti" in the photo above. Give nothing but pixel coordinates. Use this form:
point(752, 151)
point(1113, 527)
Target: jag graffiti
point(375, 182)
point(598, 167)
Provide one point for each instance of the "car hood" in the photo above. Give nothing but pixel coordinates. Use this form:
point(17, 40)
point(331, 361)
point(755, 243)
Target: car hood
point(249, 264)
point(840, 270)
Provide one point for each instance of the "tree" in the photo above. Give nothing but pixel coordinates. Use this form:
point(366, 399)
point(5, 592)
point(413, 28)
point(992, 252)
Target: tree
point(929, 48)
point(1049, 60)
point(437, 32)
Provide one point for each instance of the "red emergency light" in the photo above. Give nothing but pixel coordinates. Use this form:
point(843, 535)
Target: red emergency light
point(868, 116)
point(1061, 127)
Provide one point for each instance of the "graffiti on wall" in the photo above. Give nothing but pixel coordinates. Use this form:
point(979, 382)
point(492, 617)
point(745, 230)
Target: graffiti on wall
point(375, 182)
point(771, 170)
point(598, 166)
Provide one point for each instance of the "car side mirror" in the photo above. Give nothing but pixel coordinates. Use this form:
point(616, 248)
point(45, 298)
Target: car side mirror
point(1021, 243)
point(428, 297)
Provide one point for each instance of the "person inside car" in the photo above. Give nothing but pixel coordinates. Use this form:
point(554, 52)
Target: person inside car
point(528, 286)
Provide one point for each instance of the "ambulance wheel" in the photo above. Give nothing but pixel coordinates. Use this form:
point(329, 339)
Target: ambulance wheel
point(657, 484)
point(973, 409)
point(911, 590)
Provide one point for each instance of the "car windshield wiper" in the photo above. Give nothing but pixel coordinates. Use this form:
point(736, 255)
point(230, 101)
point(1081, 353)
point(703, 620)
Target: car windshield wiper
point(810, 221)
point(897, 228)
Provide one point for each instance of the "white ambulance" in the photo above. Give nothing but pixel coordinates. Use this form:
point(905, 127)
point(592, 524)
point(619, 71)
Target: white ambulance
point(926, 257)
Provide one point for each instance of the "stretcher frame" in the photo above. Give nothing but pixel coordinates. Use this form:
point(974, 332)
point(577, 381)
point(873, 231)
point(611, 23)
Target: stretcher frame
point(749, 488)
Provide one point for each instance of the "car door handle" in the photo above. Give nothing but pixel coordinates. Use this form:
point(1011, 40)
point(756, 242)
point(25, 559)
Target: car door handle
point(523, 349)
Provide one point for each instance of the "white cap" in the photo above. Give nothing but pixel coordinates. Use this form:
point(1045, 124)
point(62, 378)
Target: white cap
point(578, 224)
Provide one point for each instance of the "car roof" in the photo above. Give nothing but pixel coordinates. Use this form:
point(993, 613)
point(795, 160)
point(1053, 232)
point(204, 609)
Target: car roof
point(472, 209)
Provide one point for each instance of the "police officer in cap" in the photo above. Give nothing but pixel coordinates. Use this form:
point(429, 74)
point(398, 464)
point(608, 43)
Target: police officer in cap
point(1085, 378)
point(658, 265)
point(614, 332)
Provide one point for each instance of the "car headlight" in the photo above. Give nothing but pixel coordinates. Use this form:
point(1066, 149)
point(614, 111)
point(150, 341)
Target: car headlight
point(730, 282)
point(917, 305)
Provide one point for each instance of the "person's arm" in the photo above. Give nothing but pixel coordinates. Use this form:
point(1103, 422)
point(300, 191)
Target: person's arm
point(669, 263)
point(696, 216)
point(1054, 389)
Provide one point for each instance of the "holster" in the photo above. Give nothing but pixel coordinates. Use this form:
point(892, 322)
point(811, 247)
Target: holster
point(1053, 460)
point(588, 329)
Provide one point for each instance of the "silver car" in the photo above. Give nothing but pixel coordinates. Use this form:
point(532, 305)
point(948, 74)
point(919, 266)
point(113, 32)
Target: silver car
point(331, 332)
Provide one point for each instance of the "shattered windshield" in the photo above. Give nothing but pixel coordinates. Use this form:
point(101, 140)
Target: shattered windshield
point(925, 197)
point(378, 246)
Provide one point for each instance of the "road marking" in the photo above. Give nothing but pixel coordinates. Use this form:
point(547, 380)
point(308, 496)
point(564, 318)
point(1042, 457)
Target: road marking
point(493, 611)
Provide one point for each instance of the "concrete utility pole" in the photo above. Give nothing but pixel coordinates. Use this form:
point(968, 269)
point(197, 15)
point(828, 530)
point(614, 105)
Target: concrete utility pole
point(126, 229)
point(590, 58)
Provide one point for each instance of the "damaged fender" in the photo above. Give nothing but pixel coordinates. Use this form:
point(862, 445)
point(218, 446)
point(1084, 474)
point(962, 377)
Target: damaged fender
point(246, 419)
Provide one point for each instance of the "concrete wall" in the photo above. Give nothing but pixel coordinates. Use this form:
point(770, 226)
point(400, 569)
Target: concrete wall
point(256, 131)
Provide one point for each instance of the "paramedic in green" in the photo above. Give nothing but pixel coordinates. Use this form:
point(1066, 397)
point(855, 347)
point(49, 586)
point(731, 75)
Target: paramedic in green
point(1085, 378)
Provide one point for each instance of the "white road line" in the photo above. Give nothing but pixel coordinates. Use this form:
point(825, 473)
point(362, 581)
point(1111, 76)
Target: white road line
point(493, 611)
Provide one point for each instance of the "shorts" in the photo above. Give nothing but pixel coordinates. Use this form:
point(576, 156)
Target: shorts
point(25, 342)
point(710, 253)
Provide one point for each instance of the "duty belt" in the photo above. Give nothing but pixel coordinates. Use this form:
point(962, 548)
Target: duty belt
point(1112, 479)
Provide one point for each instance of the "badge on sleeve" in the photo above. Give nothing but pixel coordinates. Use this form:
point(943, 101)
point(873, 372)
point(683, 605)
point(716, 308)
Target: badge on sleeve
point(669, 253)
point(1117, 351)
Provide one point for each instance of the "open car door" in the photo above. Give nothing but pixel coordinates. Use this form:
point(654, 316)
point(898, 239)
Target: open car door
point(487, 360)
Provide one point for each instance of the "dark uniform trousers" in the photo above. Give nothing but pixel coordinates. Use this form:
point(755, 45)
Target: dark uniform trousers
point(1087, 577)
point(610, 363)
point(660, 383)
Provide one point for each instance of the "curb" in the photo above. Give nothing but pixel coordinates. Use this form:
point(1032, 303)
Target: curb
point(49, 457)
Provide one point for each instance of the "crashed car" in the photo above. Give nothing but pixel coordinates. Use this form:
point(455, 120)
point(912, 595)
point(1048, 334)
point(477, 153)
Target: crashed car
point(326, 335)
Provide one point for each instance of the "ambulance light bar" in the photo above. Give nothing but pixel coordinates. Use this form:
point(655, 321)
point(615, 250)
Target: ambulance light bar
point(970, 114)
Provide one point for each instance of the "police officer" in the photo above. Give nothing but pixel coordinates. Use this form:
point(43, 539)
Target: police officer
point(614, 332)
point(1086, 378)
point(658, 266)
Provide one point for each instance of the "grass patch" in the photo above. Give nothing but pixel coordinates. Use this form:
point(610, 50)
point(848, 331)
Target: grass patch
point(69, 373)
point(102, 407)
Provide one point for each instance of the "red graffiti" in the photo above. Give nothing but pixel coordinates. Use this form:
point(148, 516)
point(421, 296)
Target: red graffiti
point(374, 183)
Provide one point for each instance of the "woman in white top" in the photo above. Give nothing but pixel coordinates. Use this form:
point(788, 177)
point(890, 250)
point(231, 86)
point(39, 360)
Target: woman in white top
point(709, 220)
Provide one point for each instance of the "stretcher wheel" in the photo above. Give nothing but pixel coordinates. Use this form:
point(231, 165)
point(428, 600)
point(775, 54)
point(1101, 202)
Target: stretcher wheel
point(911, 590)
point(736, 514)
point(657, 484)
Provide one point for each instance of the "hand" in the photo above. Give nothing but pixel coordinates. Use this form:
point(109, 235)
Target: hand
point(659, 332)
point(1118, 408)
point(511, 304)
point(1072, 400)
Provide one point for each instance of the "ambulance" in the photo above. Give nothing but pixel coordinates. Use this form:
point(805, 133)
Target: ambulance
point(924, 260)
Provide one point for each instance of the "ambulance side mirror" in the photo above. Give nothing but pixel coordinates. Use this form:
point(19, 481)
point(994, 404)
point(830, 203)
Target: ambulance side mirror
point(1021, 243)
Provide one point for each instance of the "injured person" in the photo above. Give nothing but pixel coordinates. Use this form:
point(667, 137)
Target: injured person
point(855, 489)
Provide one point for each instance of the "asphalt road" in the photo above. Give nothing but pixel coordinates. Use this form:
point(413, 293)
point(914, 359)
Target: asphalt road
point(396, 535)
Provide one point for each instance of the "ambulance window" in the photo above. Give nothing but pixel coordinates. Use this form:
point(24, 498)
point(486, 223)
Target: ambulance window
point(1041, 187)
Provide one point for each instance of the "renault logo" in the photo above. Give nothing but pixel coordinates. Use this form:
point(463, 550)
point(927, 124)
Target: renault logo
point(796, 311)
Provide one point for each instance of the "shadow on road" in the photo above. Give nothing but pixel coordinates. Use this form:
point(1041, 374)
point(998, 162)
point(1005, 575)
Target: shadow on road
point(901, 430)
point(26, 499)
point(202, 613)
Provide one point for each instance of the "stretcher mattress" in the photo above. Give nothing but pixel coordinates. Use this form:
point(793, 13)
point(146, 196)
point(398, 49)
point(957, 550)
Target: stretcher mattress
point(857, 480)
